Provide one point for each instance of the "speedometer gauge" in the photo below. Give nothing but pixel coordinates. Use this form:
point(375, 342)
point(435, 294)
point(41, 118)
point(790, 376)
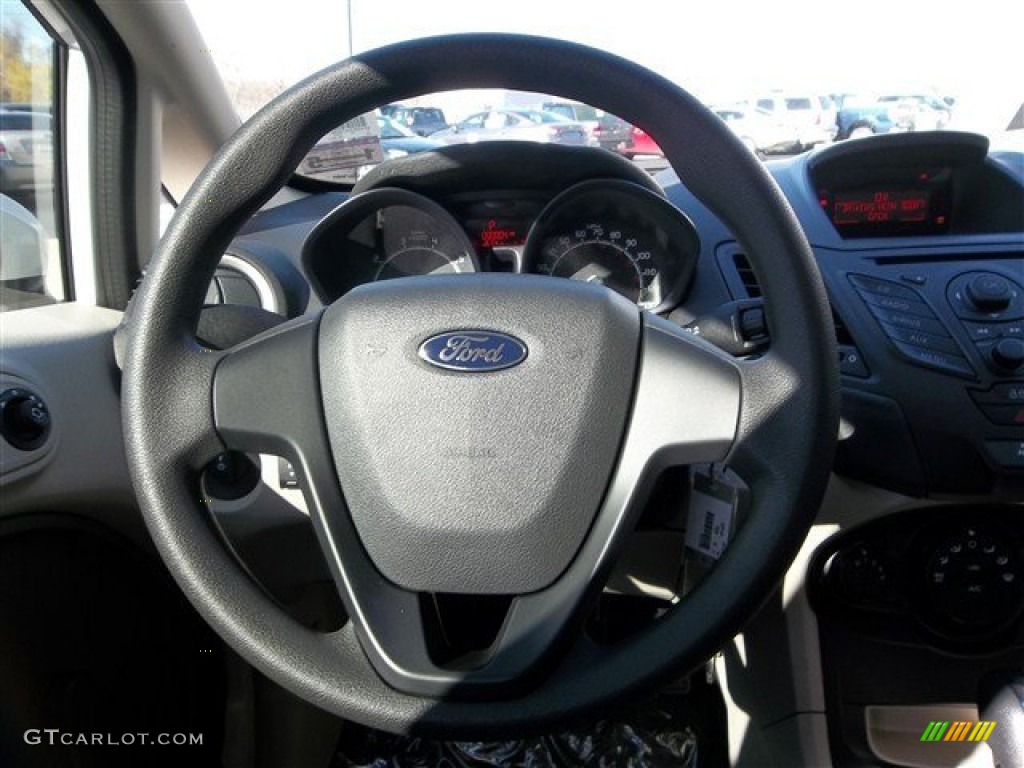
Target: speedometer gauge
point(595, 254)
point(617, 234)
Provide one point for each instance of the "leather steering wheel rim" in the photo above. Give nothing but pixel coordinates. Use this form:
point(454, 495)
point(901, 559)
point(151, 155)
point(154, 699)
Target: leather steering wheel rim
point(785, 426)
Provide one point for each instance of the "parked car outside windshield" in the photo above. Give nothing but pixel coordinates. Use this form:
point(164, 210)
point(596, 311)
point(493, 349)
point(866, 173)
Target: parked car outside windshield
point(756, 128)
point(517, 125)
point(422, 121)
point(919, 112)
point(803, 117)
point(398, 141)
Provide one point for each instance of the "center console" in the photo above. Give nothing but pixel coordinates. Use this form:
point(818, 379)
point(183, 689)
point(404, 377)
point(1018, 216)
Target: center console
point(915, 612)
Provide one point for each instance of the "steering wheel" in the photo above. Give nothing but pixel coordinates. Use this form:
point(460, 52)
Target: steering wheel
point(478, 478)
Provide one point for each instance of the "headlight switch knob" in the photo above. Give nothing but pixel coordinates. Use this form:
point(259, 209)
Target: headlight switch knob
point(24, 419)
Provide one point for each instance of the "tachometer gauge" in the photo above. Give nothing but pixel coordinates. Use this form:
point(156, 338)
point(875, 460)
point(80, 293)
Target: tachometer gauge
point(617, 234)
point(410, 241)
point(382, 234)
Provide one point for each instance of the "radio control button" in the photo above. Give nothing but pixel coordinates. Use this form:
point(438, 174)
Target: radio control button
point(1008, 354)
point(883, 287)
point(1000, 394)
point(851, 363)
point(898, 304)
point(940, 361)
point(989, 293)
point(910, 322)
point(921, 339)
point(982, 332)
point(1008, 454)
point(1004, 415)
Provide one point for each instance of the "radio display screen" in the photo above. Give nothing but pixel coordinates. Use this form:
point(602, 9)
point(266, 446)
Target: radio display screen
point(905, 206)
point(901, 207)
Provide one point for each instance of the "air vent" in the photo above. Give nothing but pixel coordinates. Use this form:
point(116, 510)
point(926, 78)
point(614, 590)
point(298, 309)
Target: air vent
point(238, 282)
point(843, 336)
point(746, 273)
point(753, 289)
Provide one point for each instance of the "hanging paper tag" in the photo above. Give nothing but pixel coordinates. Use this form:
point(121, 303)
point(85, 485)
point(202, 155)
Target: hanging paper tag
point(709, 524)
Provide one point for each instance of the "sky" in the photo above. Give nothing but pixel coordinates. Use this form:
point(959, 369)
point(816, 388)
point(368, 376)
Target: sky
point(718, 49)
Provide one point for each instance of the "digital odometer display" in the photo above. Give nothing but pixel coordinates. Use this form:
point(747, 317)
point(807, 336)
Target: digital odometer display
point(891, 206)
point(497, 233)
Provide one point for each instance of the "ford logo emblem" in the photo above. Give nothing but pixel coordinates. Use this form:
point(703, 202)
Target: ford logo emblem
point(474, 351)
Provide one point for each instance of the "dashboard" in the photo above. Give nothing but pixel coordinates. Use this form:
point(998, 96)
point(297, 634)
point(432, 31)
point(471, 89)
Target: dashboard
point(918, 238)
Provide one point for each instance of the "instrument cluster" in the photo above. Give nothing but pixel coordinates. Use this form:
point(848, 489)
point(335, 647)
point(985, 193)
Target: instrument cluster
point(607, 231)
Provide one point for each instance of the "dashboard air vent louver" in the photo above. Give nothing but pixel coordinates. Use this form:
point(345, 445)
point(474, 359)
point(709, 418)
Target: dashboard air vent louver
point(746, 273)
point(843, 336)
point(753, 289)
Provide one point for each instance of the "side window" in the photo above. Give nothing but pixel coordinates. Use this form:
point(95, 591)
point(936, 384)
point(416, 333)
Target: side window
point(30, 248)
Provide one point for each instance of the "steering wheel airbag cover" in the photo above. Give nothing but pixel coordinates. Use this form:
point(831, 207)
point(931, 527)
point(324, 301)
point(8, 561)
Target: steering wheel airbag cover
point(469, 482)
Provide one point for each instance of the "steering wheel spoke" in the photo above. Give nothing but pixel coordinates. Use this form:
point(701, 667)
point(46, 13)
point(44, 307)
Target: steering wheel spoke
point(266, 398)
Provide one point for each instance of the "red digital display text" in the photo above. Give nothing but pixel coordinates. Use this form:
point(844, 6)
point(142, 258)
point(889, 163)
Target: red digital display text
point(880, 207)
point(495, 234)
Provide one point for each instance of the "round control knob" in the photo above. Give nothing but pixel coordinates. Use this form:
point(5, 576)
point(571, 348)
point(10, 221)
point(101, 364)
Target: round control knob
point(973, 579)
point(24, 419)
point(989, 293)
point(863, 575)
point(1008, 354)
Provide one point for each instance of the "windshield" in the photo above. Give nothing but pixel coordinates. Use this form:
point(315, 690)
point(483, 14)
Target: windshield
point(794, 63)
